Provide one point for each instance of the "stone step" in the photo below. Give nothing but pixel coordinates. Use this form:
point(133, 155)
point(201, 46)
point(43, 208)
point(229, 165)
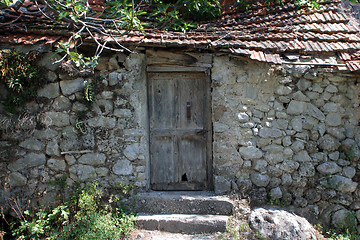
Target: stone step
point(184, 202)
point(182, 223)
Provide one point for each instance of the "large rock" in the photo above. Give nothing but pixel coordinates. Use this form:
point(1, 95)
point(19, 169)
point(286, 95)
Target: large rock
point(61, 103)
point(279, 224)
point(221, 185)
point(103, 122)
point(51, 90)
point(49, 61)
point(122, 113)
point(296, 107)
point(115, 78)
point(330, 107)
point(289, 166)
point(32, 144)
point(243, 117)
point(250, 152)
point(351, 149)
point(72, 86)
point(270, 132)
point(344, 219)
point(328, 143)
point(274, 158)
point(17, 179)
point(52, 148)
point(333, 119)
point(315, 112)
point(93, 159)
point(276, 193)
point(132, 151)
point(283, 90)
point(83, 172)
point(56, 165)
point(340, 183)
point(30, 160)
point(103, 107)
point(259, 179)
point(45, 134)
point(123, 167)
point(307, 169)
point(328, 168)
point(302, 156)
point(59, 119)
point(296, 124)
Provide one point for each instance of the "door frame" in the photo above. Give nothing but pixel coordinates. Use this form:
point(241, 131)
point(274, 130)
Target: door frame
point(209, 135)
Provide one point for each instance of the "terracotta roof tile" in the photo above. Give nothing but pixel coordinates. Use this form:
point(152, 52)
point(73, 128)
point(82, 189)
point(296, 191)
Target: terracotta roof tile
point(262, 35)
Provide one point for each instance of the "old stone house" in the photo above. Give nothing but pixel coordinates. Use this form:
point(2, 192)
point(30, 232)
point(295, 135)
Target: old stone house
point(262, 104)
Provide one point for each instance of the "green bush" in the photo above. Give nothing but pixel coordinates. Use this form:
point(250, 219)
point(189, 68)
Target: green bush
point(19, 73)
point(84, 216)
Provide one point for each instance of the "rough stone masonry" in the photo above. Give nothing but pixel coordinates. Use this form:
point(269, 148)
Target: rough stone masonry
point(287, 134)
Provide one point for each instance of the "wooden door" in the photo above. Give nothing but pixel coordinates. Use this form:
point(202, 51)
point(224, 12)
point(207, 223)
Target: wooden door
point(179, 109)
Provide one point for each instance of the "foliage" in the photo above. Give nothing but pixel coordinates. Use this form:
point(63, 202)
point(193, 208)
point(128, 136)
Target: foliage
point(84, 216)
point(282, 202)
point(344, 235)
point(248, 4)
point(21, 77)
point(179, 16)
point(88, 91)
point(348, 230)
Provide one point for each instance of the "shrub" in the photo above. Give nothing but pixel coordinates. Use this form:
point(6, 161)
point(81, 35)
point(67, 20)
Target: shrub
point(84, 216)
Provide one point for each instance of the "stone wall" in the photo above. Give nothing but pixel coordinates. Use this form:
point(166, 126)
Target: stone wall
point(288, 133)
point(105, 140)
point(281, 134)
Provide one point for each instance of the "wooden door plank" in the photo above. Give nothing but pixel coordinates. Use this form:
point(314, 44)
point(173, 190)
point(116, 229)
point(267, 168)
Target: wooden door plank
point(162, 164)
point(193, 159)
point(161, 57)
point(162, 148)
point(162, 102)
point(192, 98)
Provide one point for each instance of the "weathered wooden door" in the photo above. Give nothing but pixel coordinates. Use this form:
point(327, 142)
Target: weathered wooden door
point(179, 130)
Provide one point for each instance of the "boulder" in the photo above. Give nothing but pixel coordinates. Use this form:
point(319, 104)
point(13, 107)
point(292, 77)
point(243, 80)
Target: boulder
point(273, 223)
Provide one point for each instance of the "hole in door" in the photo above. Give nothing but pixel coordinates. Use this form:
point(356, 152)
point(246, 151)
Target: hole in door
point(184, 178)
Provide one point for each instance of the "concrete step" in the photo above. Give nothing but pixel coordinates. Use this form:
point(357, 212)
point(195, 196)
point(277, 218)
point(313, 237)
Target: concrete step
point(182, 223)
point(184, 202)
